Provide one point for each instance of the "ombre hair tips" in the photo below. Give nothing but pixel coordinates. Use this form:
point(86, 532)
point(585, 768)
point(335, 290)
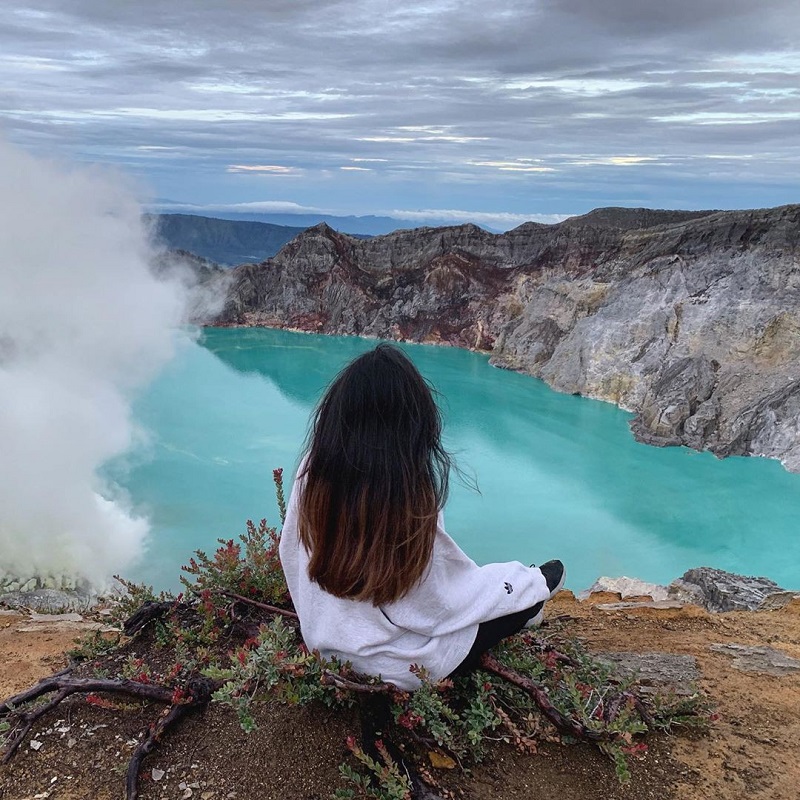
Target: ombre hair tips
point(375, 477)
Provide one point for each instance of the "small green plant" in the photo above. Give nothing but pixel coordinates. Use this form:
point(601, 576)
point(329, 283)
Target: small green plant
point(382, 780)
point(93, 645)
point(136, 669)
point(250, 567)
point(277, 663)
point(277, 477)
point(5, 727)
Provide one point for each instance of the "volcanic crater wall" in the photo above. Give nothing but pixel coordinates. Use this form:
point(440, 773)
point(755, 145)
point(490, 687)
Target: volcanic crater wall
point(689, 319)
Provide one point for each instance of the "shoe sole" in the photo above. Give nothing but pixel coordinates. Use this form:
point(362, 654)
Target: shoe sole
point(560, 585)
point(535, 622)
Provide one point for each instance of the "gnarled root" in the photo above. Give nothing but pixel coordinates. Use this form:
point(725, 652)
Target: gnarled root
point(195, 695)
point(562, 723)
point(64, 686)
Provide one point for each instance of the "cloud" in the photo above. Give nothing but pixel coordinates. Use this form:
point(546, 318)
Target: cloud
point(262, 169)
point(255, 207)
point(518, 105)
point(496, 220)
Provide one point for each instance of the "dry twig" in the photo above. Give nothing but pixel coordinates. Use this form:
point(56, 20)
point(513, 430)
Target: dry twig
point(263, 606)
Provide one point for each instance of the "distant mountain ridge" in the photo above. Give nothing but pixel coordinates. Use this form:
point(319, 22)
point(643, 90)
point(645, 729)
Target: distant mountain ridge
point(365, 225)
point(222, 241)
point(351, 224)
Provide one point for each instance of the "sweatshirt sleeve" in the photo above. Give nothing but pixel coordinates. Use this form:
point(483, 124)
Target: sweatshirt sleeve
point(456, 593)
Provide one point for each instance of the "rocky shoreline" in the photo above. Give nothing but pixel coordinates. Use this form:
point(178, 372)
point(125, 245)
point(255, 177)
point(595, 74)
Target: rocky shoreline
point(689, 319)
point(712, 589)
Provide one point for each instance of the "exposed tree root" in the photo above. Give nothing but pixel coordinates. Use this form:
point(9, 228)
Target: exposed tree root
point(149, 611)
point(196, 695)
point(332, 679)
point(561, 722)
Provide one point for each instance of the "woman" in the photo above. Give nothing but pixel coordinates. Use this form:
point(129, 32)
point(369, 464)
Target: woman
point(374, 577)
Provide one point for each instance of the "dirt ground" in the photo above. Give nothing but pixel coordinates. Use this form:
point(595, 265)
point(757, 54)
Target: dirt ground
point(752, 750)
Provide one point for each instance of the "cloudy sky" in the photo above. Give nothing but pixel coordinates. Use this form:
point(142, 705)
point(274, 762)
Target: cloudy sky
point(509, 109)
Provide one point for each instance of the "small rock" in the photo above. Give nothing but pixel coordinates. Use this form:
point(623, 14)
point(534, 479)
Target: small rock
point(665, 604)
point(776, 600)
point(66, 625)
point(157, 774)
point(626, 587)
point(36, 744)
point(759, 659)
point(678, 673)
point(70, 617)
point(187, 794)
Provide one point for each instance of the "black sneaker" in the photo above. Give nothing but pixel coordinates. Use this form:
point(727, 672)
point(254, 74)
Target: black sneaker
point(554, 573)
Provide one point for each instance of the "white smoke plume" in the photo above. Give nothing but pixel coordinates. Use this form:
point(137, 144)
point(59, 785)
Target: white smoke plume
point(84, 325)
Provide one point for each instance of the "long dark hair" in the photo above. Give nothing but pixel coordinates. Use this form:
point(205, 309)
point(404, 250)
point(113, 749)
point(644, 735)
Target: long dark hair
point(376, 476)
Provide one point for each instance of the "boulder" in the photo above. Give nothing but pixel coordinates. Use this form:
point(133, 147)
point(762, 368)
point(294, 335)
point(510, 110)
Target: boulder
point(717, 590)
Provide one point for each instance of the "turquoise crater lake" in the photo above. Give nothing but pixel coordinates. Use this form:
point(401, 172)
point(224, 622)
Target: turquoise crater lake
point(559, 476)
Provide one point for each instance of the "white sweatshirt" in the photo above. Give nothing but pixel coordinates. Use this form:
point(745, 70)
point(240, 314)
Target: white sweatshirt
point(434, 625)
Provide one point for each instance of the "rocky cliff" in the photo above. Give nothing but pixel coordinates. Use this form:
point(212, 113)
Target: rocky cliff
point(689, 319)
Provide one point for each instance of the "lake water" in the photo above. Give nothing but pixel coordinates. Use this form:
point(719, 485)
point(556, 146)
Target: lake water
point(559, 476)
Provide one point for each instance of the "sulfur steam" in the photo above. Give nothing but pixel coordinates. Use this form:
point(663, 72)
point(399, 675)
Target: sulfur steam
point(84, 326)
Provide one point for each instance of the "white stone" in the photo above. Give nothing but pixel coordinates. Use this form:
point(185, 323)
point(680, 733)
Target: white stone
point(626, 587)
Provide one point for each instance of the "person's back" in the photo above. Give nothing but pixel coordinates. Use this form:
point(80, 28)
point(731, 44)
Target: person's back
point(374, 577)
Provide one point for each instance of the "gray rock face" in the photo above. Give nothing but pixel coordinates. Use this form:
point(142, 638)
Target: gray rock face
point(48, 601)
point(656, 671)
point(689, 319)
point(758, 659)
point(717, 590)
